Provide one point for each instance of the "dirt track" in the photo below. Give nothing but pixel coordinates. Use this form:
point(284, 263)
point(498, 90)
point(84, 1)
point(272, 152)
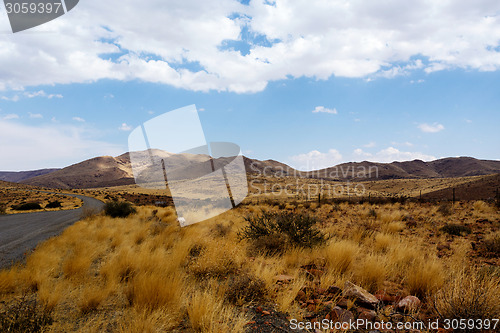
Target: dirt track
point(20, 233)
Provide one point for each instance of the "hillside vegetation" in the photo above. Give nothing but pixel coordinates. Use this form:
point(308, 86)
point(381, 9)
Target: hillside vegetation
point(144, 273)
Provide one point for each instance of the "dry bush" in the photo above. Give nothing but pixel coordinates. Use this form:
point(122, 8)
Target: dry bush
point(392, 216)
point(382, 242)
point(424, 277)
point(297, 228)
point(469, 295)
point(393, 227)
point(340, 255)
point(151, 291)
point(445, 209)
point(244, 289)
point(24, 315)
point(482, 207)
point(270, 245)
point(371, 272)
point(90, 299)
point(456, 229)
point(8, 280)
point(207, 313)
point(143, 321)
point(217, 260)
point(118, 209)
point(492, 244)
point(89, 213)
point(77, 264)
point(120, 267)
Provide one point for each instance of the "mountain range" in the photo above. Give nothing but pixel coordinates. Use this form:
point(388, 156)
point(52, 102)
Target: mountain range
point(107, 171)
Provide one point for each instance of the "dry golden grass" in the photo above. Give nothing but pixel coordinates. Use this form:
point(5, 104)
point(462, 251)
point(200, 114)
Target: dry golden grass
point(468, 294)
point(208, 313)
point(146, 274)
point(340, 255)
point(425, 277)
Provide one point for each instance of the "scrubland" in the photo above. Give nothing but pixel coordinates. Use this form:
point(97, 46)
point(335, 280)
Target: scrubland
point(144, 273)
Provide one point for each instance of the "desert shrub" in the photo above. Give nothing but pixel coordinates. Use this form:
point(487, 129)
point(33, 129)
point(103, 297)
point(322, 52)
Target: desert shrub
point(456, 229)
point(245, 288)
point(53, 204)
point(118, 208)
point(27, 206)
point(482, 207)
point(3, 209)
point(468, 295)
point(151, 291)
point(274, 244)
point(221, 230)
point(24, 315)
point(492, 244)
point(445, 209)
point(340, 255)
point(296, 229)
point(88, 212)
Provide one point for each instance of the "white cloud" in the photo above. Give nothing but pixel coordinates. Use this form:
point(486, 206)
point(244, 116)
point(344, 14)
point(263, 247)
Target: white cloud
point(316, 39)
point(315, 160)
point(11, 116)
point(407, 143)
point(14, 98)
point(322, 109)
point(370, 145)
point(125, 127)
point(390, 154)
point(80, 120)
point(434, 128)
point(35, 147)
point(42, 93)
point(35, 115)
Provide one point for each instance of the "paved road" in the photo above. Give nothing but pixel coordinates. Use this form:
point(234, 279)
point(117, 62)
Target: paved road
point(20, 233)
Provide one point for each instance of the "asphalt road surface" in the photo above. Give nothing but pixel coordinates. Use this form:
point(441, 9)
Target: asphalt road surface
point(20, 233)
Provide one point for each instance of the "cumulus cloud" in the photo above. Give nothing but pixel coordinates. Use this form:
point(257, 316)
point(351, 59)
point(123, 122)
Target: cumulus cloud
point(434, 128)
point(79, 119)
point(322, 109)
point(10, 116)
point(316, 39)
point(315, 160)
point(42, 93)
point(390, 154)
point(30, 147)
point(35, 115)
point(124, 127)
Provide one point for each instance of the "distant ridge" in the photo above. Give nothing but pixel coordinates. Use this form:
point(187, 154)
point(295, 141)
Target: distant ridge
point(442, 168)
point(18, 176)
point(107, 171)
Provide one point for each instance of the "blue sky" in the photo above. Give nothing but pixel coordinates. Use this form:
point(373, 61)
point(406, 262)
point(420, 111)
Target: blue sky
point(295, 88)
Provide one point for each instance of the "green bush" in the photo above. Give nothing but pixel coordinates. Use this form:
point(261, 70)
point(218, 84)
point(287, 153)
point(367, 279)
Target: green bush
point(296, 229)
point(53, 204)
point(118, 208)
point(27, 206)
point(456, 229)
